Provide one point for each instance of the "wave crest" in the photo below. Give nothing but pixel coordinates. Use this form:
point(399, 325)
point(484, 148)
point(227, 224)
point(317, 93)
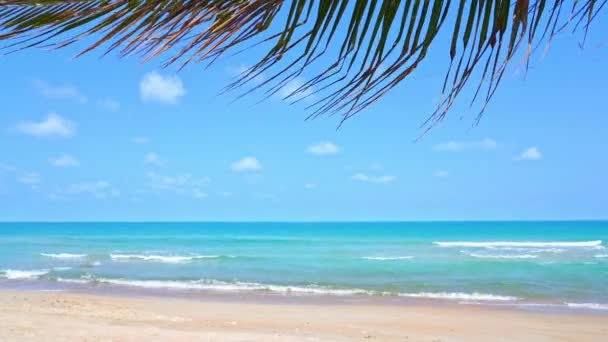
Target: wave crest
point(22, 274)
point(490, 244)
point(63, 255)
point(500, 256)
point(163, 258)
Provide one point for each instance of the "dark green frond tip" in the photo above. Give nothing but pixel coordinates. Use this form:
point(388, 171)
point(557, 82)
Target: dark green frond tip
point(363, 48)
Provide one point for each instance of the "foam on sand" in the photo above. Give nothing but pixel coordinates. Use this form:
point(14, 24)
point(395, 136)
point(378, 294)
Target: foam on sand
point(222, 286)
point(592, 306)
point(459, 296)
point(490, 244)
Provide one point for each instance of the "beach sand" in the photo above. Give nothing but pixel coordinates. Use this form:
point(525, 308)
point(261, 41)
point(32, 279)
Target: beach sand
point(60, 316)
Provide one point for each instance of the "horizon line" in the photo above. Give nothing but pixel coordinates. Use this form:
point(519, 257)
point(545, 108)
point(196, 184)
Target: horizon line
point(311, 221)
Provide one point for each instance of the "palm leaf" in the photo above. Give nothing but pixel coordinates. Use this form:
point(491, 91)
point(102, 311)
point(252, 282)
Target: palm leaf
point(363, 48)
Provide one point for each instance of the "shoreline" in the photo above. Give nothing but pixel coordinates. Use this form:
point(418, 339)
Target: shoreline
point(28, 315)
point(457, 300)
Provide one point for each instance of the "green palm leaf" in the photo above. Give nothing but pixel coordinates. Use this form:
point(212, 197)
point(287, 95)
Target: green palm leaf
point(364, 47)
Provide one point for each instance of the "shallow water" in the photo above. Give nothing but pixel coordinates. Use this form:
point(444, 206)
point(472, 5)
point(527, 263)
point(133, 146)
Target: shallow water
point(529, 264)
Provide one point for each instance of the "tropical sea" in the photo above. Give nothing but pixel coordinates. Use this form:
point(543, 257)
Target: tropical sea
point(561, 265)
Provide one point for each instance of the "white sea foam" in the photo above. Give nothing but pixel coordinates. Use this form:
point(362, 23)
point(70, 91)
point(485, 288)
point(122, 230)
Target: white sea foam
point(500, 256)
point(215, 285)
point(63, 255)
point(601, 256)
point(593, 306)
point(21, 274)
point(391, 258)
point(73, 281)
point(172, 259)
point(528, 249)
point(491, 244)
point(459, 296)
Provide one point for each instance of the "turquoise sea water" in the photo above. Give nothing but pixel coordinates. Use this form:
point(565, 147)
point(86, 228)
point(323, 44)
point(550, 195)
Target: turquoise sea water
point(561, 264)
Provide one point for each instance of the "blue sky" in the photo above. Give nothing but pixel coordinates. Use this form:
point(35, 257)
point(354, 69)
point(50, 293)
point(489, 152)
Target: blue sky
point(108, 139)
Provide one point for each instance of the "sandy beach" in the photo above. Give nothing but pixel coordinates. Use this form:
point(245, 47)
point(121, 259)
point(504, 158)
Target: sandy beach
point(60, 316)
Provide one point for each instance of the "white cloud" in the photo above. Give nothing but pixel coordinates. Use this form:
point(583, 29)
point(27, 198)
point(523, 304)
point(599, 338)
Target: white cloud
point(324, 148)
point(225, 193)
point(531, 153)
point(362, 177)
point(52, 126)
point(458, 146)
point(442, 173)
point(293, 86)
point(99, 189)
point(109, 104)
point(65, 160)
point(140, 140)
point(310, 186)
point(247, 164)
point(60, 91)
point(163, 89)
point(31, 178)
point(152, 158)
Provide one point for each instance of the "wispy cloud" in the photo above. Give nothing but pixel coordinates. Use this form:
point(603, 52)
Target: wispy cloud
point(60, 91)
point(152, 158)
point(65, 160)
point(247, 164)
point(266, 196)
point(141, 140)
point(294, 85)
point(198, 193)
point(162, 89)
point(30, 178)
point(309, 186)
point(181, 184)
point(109, 104)
point(362, 177)
point(324, 148)
point(376, 166)
point(99, 189)
point(530, 154)
point(256, 79)
point(159, 181)
point(458, 146)
point(52, 126)
point(7, 168)
point(442, 173)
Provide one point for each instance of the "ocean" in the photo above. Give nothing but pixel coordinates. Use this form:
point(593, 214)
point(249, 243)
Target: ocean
point(522, 264)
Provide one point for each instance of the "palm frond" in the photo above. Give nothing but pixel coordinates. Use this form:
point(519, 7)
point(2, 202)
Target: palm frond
point(364, 47)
